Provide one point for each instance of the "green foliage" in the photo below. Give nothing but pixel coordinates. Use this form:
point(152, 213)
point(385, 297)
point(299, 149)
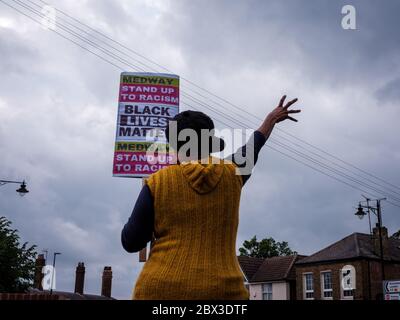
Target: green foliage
point(17, 262)
point(266, 248)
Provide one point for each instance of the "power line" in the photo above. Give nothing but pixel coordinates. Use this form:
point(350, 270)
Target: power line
point(240, 115)
point(61, 35)
point(115, 57)
point(118, 58)
point(216, 96)
point(306, 164)
point(298, 153)
point(86, 40)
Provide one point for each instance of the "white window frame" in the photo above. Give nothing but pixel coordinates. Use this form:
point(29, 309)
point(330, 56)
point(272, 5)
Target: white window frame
point(305, 291)
point(323, 290)
point(267, 292)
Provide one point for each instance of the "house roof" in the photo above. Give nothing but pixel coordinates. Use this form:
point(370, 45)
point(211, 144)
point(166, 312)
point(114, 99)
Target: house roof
point(356, 245)
point(270, 269)
point(77, 296)
point(72, 296)
point(249, 265)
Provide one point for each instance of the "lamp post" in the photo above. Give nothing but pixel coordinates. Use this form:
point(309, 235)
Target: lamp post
point(22, 190)
point(53, 271)
point(377, 211)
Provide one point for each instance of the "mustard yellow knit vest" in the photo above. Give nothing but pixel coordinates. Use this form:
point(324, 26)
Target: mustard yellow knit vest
point(196, 219)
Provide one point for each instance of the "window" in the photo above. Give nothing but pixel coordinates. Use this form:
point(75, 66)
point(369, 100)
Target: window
point(308, 286)
point(267, 291)
point(348, 294)
point(326, 284)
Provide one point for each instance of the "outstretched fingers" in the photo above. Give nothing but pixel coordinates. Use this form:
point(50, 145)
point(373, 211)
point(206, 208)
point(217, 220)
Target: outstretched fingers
point(282, 101)
point(290, 103)
point(291, 112)
point(293, 119)
point(282, 111)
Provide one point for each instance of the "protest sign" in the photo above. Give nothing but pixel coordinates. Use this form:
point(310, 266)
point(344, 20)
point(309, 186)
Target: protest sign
point(146, 103)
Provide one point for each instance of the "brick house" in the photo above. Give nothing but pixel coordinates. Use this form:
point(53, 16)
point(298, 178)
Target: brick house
point(349, 269)
point(271, 278)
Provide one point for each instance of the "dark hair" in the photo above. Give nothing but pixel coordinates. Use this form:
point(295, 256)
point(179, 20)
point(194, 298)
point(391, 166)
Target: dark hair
point(196, 121)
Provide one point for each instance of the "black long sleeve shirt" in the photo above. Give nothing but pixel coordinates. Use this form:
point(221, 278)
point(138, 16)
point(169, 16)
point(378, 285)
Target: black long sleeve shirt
point(138, 231)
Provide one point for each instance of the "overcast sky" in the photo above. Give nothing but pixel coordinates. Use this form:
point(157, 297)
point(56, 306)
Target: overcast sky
point(58, 106)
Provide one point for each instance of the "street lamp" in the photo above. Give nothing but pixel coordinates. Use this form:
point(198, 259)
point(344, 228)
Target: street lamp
point(22, 190)
point(377, 211)
point(360, 212)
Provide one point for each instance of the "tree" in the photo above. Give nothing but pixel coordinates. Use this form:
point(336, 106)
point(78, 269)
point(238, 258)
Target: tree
point(266, 248)
point(17, 262)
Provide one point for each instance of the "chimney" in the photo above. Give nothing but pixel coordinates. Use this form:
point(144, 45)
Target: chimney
point(80, 278)
point(385, 240)
point(39, 264)
point(106, 282)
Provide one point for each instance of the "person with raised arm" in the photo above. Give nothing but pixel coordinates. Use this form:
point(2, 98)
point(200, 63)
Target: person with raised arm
point(192, 209)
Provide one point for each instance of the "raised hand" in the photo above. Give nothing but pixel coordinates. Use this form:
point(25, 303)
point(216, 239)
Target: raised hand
point(282, 112)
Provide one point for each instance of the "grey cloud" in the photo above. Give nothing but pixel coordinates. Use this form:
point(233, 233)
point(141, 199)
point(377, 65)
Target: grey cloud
point(58, 111)
point(389, 92)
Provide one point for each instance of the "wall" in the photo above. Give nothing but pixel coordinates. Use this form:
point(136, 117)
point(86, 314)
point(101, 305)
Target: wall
point(368, 278)
point(335, 268)
point(280, 291)
point(255, 291)
point(392, 272)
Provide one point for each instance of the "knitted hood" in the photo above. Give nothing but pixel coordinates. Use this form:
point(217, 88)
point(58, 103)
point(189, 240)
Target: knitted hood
point(203, 178)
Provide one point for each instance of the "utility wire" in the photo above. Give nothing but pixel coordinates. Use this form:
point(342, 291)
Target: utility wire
point(241, 109)
point(68, 30)
point(123, 61)
point(298, 153)
point(216, 96)
point(306, 164)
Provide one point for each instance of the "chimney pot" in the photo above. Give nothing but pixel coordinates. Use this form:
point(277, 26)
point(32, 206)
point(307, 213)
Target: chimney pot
point(39, 264)
point(106, 282)
point(376, 240)
point(80, 278)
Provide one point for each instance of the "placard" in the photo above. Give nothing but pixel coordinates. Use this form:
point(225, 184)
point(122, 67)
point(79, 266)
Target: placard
point(147, 101)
